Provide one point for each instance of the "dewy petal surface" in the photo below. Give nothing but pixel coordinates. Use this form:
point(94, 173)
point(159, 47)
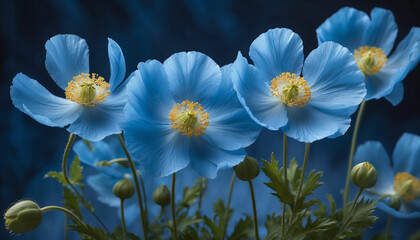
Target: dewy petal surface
point(33, 99)
point(406, 155)
point(254, 94)
point(346, 27)
point(67, 57)
point(117, 64)
point(277, 51)
point(382, 30)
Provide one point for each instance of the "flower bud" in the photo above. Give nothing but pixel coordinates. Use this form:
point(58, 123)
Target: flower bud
point(23, 216)
point(123, 189)
point(364, 175)
point(162, 196)
point(248, 169)
point(395, 203)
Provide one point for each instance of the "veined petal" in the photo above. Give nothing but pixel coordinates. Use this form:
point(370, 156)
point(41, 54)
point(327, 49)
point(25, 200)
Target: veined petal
point(308, 124)
point(335, 80)
point(398, 214)
point(382, 30)
point(117, 64)
point(397, 94)
point(379, 84)
point(192, 76)
point(277, 51)
point(207, 159)
point(230, 125)
point(254, 94)
point(33, 99)
point(407, 52)
point(96, 123)
point(406, 155)
point(103, 185)
point(159, 148)
point(346, 27)
point(374, 153)
point(67, 57)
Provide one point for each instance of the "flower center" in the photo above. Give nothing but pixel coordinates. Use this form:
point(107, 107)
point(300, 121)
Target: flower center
point(87, 89)
point(292, 90)
point(406, 186)
point(370, 59)
point(189, 118)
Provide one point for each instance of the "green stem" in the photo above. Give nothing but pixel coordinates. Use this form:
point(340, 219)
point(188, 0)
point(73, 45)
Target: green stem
point(66, 177)
point(356, 198)
point(254, 209)
point(143, 189)
point(173, 205)
point(66, 229)
point(302, 175)
point(352, 150)
point(388, 228)
point(136, 181)
point(123, 219)
point(158, 216)
point(232, 181)
point(64, 210)
point(283, 217)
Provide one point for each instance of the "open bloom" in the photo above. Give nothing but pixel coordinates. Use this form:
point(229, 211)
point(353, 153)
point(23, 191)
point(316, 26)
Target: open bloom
point(398, 183)
point(185, 111)
point(310, 107)
point(371, 41)
point(92, 106)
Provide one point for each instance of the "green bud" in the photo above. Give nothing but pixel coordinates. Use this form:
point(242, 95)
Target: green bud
point(248, 169)
point(364, 175)
point(23, 216)
point(162, 196)
point(124, 189)
point(395, 202)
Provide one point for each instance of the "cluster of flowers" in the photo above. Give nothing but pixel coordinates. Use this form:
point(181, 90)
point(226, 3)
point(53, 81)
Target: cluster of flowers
point(189, 111)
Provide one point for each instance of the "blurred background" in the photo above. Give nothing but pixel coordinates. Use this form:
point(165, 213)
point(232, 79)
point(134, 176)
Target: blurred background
point(155, 30)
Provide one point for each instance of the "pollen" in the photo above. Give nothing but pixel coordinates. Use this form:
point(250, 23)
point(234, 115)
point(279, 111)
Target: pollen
point(87, 89)
point(406, 186)
point(291, 89)
point(370, 59)
point(189, 118)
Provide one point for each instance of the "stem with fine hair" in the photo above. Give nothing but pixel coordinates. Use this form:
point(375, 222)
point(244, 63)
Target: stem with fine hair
point(173, 205)
point(136, 181)
point(123, 220)
point(68, 181)
point(64, 210)
point(283, 215)
point(232, 181)
point(254, 209)
point(352, 150)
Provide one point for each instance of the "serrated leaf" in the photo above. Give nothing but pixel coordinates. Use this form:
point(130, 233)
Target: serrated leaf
point(317, 226)
point(95, 233)
point(243, 230)
point(220, 220)
point(273, 226)
point(75, 171)
point(71, 201)
point(311, 183)
point(293, 174)
point(190, 196)
point(281, 190)
point(333, 206)
point(57, 176)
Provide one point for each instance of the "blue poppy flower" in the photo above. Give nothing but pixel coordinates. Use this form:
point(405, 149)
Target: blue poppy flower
point(307, 108)
point(371, 40)
point(399, 181)
point(92, 106)
point(185, 111)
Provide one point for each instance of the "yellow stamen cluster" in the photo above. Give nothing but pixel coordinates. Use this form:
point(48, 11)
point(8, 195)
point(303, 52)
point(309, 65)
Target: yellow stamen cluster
point(406, 186)
point(291, 89)
point(370, 59)
point(189, 118)
point(87, 89)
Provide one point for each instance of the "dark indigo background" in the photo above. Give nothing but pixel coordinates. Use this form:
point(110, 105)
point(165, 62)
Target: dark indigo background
point(155, 30)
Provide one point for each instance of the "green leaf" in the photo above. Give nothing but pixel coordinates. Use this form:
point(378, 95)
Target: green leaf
point(311, 183)
point(333, 206)
point(57, 176)
point(86, 229)
point(190, 196)
point(243, 230)
point(293, 174)
point(415, 236)
point(313, 227)
point(71, 201)
point(273, 226)
point(75, 171)
point(383, 236)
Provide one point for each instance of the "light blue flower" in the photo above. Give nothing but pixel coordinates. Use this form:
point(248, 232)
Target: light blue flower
point(92, 106)
point(371, 40)
point(183, 112)
point(399, 179)
point(307, 108)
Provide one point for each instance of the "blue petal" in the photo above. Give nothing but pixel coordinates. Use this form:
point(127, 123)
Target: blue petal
point(33, 99)
point(230, 125)
point(379, 84)
point(254, 94)
point(117, 64)
point(397, 94)
point(382, 30)
point(407, 54)
point(277, 51)
point(96, 123)
point(103, 185)
point(335, 80)
point(207, 159)
point(406, 154)
point(384, 207)
point(346, 27)
point(192, 76)
point(158, 147)
point(148, 92)
point(308, 124)
point(67, 56)
point(374, 153)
